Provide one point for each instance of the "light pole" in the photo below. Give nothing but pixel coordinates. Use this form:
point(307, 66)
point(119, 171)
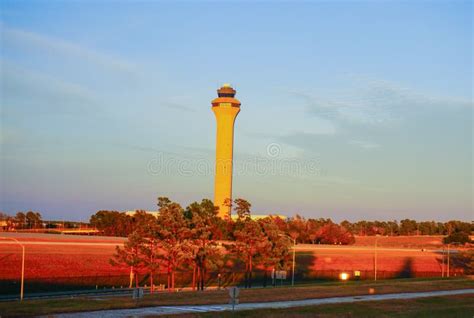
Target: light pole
point(22, 265)
point(375, 257)
point(294, 262)
point(442, 262)
point(447, 272)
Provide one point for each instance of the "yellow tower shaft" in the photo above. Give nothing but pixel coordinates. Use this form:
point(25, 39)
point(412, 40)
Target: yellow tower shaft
point(226, 108)
point(225, 117)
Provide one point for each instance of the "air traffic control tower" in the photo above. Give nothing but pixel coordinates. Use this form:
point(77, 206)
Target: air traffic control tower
point(226, 108)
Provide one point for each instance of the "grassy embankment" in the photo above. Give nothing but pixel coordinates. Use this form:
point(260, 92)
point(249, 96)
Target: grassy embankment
point(41, 307)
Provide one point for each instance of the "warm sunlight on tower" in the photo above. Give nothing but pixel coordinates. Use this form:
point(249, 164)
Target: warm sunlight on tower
point(226, 108)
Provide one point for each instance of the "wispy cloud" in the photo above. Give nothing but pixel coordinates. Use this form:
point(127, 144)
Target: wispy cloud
point(364, 144)
point(51, 45)
point(317, 106)
point(337, 180)
point(375, 102)
point(178, 106)
point(351, 110)
point(382, 93)
point(42, 93)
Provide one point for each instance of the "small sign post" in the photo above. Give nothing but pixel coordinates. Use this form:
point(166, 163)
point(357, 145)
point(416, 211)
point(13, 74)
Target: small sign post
point(281, 275)
point(234, 296)
point(357, 275)
point(137, 294)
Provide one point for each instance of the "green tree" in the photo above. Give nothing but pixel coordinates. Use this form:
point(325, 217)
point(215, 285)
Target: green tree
point(274, 250)
point(242, 208)
point(393, 228)
point(408, 227)
point(147, 226)
point(361, 228)
point(33, 220)
point(112, 223)
point(457, 238)
point(130, 255)
point(204, 226)
point(20, 220)
point(249, 239)
point(332, 233)
point(427, 227)
point(175, 237)
point(464, 260)
point(348, 225)
point(297, 228)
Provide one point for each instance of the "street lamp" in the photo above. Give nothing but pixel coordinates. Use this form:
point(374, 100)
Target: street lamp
point(294, 258)
point(22, 265)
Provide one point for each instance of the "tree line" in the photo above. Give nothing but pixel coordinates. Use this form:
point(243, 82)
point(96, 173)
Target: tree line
point(312, 231)
point(33, 221)
point(22, 220)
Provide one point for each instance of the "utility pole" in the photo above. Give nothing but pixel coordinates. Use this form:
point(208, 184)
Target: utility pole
point(22, 288)
point(375, 258)
point(442, 263)
point(447, 273)
point(294, 261)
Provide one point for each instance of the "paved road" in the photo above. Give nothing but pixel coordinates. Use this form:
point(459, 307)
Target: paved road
point(298, 248)
point(175, 310)
point(74, 240)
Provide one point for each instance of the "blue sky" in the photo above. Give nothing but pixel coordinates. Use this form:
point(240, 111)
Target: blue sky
point(106, 105)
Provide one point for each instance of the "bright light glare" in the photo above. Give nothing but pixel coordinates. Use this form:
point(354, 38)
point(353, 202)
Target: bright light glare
point(344, 276)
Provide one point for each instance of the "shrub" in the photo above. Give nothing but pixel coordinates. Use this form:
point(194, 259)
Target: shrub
point(457, 237)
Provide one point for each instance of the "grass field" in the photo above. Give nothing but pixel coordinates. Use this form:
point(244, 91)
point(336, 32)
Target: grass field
point(422, 241)
point(40, 307)
point(78, 260)
point(49, 261)
point(434, 307)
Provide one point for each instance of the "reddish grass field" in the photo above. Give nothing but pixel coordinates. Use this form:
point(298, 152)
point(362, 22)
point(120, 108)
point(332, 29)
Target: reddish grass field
point(390, 262)
point(46, 256)
point(61, 261)
point(401, 241)
point(49, 256)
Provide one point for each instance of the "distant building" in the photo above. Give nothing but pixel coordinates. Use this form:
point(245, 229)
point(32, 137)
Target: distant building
point(3, 225)
point(234, 217)
point(132, 212)
point(261, 216)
